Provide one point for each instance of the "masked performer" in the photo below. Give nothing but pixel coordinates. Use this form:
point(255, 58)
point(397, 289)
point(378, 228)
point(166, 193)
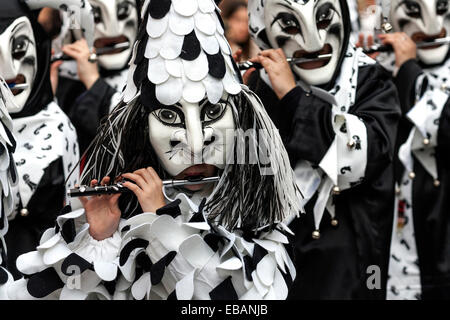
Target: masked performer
point(88, 91)
point(420, 253)
point(8, 178)
point(182, 107)
point(337, 115)
point(47, 148)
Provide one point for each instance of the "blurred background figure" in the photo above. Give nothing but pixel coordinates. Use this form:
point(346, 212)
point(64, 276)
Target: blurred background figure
point(87, 91)
point(235, 16)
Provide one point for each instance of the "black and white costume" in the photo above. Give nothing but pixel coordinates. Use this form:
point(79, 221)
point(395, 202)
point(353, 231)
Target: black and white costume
point(115, 23)
point(8, 178)
point(224, 244)
point(47, 148)
point(420, 253)
point(340, 137)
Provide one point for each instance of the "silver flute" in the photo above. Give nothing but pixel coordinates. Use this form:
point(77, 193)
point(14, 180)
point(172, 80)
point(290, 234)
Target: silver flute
point(94, 56)
point(84, 191)
point(21, 86)
point(420, 45)
point(248, 64)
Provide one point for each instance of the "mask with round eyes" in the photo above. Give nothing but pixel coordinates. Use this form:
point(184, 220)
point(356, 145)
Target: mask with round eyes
point(187, 134)
point(18, 60)
point(307, 29)
point(423, 20)
point(116, 23)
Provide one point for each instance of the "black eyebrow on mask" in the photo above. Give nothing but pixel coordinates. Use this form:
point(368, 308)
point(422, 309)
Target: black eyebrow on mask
point(17, 26)
point(284, 15)
point(404, 2)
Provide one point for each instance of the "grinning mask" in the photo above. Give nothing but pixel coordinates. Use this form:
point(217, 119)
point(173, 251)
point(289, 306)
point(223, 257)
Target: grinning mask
point(116, 22)
point(18, 59)
point(423, 20)
point(303, 29)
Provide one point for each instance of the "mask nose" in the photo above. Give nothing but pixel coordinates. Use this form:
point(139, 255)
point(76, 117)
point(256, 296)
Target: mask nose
point(432, 21)
point(110, 21)
point(312, 39)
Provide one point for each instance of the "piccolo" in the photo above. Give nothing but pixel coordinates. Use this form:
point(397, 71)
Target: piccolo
point(94, 57)
point(84, 191)
point(248, 64)
point(19, 86)
point(420, 45)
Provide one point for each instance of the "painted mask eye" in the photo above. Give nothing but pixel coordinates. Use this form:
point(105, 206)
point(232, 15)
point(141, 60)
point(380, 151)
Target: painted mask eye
point(20, 47)
point(412, 9)
point(324, 16)
point(97, 14)
point(123, 10)
point(442, 7)
point(169, 116)
point(288, 23)
point(212, 112)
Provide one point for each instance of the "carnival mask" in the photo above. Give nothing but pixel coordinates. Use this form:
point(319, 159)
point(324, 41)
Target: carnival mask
point(18, 59)
point(307, 29)
point(188, 134)
point(116, 22)
point(423, 20)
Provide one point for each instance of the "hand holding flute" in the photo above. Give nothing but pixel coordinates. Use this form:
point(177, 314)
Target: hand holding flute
point(87, 71)
point(278, 69)
point(103, 212)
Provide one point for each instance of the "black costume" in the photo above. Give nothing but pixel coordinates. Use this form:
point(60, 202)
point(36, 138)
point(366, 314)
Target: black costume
point(430, 195)
point(336, 265)
point(46, 152)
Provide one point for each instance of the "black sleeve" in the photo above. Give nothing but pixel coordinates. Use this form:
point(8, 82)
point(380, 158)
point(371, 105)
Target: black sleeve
point(444, 134)
point(406, 84)
point(89, 109)
point(307, 127)
point(377, 103)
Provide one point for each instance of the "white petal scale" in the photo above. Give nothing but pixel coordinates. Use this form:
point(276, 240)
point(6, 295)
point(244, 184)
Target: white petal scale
point(266, 270)
point(107, 271)
point(193, 91)
point(230, 84)
point(153, 47)
point(174, 67)
point(185, 287)
point(196, 251)
point(156, 27)
point(170, 92)
point(171, 45)
point(185, 8)
point(197, 69)
point(219, 27)
point(209, 44)
point(140, 287)
point(157, 73)
point(206, 6)
point(205, 23)
point(179, 24)
point(224, 46)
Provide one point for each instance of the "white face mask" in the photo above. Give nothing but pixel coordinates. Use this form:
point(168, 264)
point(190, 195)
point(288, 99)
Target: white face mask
point(18, 59)
point(185, 135)
point(306, 29)
point(116, 21)
point(423, 20)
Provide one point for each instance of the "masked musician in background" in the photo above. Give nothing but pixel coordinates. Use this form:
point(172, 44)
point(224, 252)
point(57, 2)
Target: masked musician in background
point(420, 253)
point(337, 112)
point(47, 148)
point(87, 91)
